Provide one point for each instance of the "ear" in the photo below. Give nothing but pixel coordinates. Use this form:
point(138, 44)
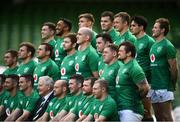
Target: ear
point(162, 30)
point(74, 45)
point(114, 53)
point(64, 89)
point(29, 53)
point(47, 52)
point(128, 54)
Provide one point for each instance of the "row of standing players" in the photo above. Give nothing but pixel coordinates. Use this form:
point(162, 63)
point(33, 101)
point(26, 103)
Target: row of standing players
point(141, 59)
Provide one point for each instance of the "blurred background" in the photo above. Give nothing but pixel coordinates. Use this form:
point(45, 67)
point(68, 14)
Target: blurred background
point(21, 20)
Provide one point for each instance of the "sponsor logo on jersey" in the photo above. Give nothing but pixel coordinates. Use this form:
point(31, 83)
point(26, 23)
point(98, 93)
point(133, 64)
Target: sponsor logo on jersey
point(80, 113)
point(152, 57)
point(51, 114)
point(8, 112)
point(56, 53)
point(63, 71)
point(100, 72)
point(77, 67)
point(35, 77)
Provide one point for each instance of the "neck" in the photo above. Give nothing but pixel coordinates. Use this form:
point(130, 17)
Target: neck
point(25, 61)
point(71, 52)
point(44, 59)
point(141, 34)
point(13, 66)
point(124, 30)
point(127, 60)
point(28, 91)
point(79, 92)
point(103, 96)
point(64, 34)
point(13, 92)
point(49, 39)
point(83, 46)
point(159, 38)
point(112, 61)
point(62, 95)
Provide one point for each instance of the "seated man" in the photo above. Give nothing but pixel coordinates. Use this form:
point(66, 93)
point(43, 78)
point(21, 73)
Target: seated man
point(28, 100)
point(104, 108)
point(57, 103)
point(45, 88)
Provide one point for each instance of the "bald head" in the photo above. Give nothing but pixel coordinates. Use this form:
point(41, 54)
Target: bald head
point(60, 88)
point(87, 32)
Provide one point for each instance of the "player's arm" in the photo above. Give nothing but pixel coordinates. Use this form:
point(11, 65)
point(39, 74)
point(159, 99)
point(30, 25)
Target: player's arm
point(88, 118)
point(100, 119)
point(14, 115)
point(24, 116)
point(174, 70)
point(143, 87)
point(59, 116)
point(69, 117)
point(81, 118)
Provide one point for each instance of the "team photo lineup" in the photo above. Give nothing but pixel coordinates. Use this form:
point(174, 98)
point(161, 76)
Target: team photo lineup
point(120, 74)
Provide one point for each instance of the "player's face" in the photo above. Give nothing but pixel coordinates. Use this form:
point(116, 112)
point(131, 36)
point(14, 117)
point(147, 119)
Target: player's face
point(45, 32)
point(81, 37)
point(42, 88)
point(118, 24)
point(41, 52)
point(73, 86)
point(122, 53)
point(135, 28)
point(100, 44)
point(59, 28)
point(23, 85)
point(107, 55)
point(22, 53)
point(106, 23)
point(8, 59)
point(58, 89)
point(67, 44)
point(83, 22)
point(97, 91)
point(8, 84)
point(87, 89)
point(156, 30)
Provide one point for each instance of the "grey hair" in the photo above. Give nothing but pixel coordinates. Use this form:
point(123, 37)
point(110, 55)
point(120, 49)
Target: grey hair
point(87, 32)
point(47, 80)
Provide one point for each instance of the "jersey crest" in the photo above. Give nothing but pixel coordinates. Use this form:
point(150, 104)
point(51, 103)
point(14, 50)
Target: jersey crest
point(152, 57)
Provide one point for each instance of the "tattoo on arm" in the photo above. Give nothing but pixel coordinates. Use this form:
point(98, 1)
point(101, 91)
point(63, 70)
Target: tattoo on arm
point(143, 88)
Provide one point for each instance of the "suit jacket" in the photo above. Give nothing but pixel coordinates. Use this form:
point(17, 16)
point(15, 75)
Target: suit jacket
point(40, 108)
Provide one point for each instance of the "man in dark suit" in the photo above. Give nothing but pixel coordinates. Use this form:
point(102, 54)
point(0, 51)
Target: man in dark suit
point(45, 88)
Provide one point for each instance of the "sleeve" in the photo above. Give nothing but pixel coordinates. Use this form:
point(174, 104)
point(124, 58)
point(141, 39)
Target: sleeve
point(137, 74)
point(171, 51)
point(108, 109)
point(31, 104)
point(93, 61)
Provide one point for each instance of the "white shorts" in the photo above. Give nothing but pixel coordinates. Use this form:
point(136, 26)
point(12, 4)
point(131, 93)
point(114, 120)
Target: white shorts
point(177, 114)
point(129, 116)
point(160, 96)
